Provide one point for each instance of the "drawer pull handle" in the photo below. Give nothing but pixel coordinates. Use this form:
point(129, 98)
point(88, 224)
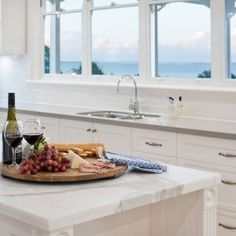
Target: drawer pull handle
point(228, 182)
point(94, 130)
point(227, 155)
point(227, 227)
point(154, 144)
point(88, 130)
point(43, 127)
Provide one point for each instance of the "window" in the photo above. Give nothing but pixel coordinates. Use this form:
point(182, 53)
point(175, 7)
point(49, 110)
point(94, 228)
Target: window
point(173, 39)
point(181, 39)
point(62, 37)
point(114, 38)
point(231, 38)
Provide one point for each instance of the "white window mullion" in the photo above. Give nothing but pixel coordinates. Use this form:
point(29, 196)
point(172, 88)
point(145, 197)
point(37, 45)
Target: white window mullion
point(55, 33)
point(144, 40)
point(222, 44)
point(226, 26)
point(217, 41)
point(86, 39)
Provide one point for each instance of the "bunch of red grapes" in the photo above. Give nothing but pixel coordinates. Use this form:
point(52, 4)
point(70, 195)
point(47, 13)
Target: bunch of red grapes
point(48, 160)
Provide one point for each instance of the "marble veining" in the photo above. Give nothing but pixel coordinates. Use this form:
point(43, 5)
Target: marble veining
point(50, 207)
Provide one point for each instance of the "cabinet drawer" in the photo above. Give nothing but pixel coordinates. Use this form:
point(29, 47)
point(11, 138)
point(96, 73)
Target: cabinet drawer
point(227, 192)
point(227, 188)
point(226, 224)
point(162, 159)
point(154, 142)
point(220, 152)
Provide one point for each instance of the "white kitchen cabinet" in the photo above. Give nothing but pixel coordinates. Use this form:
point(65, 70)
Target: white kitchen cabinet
point(51, 128)
point(116, 138)
point(216, 155)
point(155, 157)
point(226, 223)
point(227, 188)
point(12, 26)
point(214, 151)
point(74, 131)
point(154, 144)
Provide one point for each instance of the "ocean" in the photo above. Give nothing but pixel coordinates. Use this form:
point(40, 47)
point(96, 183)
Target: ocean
point(182, 70)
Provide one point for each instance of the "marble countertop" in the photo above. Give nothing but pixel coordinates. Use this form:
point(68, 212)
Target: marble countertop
point(188, 125)
point(55, 206)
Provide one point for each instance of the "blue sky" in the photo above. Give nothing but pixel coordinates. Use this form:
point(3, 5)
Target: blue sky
point(184, 33)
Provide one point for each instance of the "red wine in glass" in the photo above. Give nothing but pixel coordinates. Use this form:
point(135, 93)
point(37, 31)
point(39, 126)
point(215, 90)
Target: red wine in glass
point(32, 131)
point(32, 138)
point(13, 134)
point(14, 140)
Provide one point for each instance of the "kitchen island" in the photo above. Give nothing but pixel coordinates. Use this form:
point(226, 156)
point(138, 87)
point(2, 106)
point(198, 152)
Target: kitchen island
point(181, 202)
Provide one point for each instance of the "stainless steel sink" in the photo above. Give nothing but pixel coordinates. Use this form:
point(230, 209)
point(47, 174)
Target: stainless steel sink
point(119, 115)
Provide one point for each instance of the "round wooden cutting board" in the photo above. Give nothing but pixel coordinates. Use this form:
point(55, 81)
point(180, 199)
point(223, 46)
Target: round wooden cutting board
point(71, 175)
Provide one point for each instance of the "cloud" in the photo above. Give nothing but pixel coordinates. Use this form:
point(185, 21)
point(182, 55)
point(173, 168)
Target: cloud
point(71, 46)
point(195, 48)
point(105, 49)
point(199, 39)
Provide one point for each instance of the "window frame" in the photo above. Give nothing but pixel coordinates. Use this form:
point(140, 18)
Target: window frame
point(100, 8)
point(86, 29)
point(228, 81)
point(190, 81)
point(57, 13)
point(218, 46)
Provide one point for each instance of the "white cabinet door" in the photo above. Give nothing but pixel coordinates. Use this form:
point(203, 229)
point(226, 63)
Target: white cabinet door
point(12, 26)
point(115, 138)
point(51, 128)
point(73, 131)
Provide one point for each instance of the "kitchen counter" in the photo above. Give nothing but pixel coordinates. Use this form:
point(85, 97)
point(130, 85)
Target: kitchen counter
point(187, 125)
point(138, 204)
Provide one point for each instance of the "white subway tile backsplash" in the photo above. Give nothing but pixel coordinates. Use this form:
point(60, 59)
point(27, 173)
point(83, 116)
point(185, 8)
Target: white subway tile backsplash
point(213, 105)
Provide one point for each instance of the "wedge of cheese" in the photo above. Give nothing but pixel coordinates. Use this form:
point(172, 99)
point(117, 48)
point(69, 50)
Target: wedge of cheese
point(75, 160)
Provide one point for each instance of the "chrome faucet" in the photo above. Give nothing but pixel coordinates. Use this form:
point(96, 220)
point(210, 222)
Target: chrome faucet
point(134, 105)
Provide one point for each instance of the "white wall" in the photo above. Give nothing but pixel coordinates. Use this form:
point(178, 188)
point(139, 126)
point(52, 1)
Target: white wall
point(204, 104)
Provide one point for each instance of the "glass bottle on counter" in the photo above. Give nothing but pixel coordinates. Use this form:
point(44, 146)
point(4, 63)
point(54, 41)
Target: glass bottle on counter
point(7, 154)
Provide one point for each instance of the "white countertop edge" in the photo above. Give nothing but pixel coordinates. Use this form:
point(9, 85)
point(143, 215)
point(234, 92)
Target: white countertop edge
point(131, 201)
point(224, 127)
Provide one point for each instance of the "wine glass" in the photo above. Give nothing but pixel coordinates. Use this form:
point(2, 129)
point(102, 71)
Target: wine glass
point(13, 133)
point(32, 131)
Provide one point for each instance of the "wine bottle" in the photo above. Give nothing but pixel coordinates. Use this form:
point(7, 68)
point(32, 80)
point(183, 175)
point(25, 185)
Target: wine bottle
point(7, 150)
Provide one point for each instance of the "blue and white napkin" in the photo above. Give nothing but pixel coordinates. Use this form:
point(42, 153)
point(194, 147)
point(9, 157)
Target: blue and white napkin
point(137, 163)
